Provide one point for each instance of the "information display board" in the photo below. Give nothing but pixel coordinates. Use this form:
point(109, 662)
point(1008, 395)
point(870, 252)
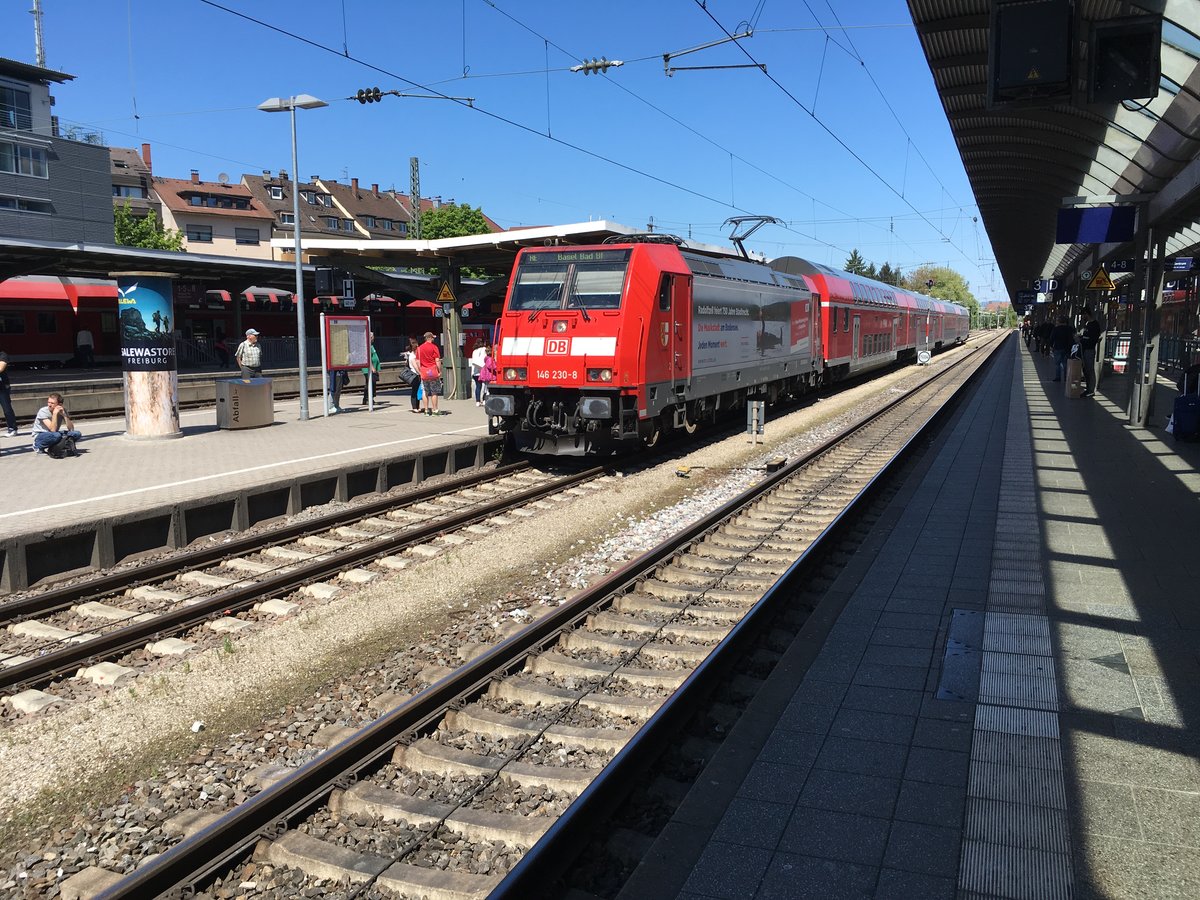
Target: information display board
point(347, 342)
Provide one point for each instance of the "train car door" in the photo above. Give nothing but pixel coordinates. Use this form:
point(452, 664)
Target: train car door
point(681, 317)
point(857, 337)
point(659, 365)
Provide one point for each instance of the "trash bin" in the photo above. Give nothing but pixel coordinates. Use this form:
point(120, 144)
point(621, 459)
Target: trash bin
point(245, 404)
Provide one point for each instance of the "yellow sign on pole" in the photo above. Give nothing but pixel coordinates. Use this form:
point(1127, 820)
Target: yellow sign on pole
point(445, 295)
point(1101, 282)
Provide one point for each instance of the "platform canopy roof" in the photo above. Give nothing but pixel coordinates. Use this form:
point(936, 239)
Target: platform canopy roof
point(1023, 162)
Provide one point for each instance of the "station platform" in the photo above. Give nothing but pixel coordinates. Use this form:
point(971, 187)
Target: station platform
point(999, 696)
point(124, 496)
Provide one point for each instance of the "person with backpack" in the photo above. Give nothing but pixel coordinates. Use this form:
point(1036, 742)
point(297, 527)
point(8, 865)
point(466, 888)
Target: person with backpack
point(1089, 340)
point(53, 431)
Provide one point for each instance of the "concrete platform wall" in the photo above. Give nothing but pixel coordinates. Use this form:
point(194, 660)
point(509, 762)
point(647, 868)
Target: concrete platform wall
point(97, 544)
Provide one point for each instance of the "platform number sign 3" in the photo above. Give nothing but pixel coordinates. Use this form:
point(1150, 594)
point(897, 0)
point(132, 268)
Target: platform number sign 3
point(557, 346)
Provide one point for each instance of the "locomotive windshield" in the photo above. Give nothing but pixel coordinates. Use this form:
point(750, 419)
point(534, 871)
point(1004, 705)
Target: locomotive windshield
point(570, 279)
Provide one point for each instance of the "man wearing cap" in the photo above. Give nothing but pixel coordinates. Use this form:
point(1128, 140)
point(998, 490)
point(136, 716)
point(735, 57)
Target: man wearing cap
point(249, 355)
point(429, 358)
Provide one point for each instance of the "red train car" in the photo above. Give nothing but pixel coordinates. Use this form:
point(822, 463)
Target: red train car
point(614, 345)
point(40, 316)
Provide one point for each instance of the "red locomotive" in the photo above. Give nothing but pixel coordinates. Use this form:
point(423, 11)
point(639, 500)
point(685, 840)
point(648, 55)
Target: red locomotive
point(617, 344)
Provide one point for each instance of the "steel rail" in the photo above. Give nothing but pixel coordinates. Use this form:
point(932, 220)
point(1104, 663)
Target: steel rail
point(55, 599)
point(558, 847)
point(292, 577)
point(207, 851)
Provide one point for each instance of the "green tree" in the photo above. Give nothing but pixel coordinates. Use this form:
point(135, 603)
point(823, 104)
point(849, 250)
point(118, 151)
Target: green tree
point(143, 231)
point(947, 285)
point(888, 275)
point(855, 264)
point(452, 220)
point(869, 271)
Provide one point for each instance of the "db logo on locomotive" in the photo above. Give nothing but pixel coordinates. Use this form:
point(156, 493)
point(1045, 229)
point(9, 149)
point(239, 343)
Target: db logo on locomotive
point(558, 346)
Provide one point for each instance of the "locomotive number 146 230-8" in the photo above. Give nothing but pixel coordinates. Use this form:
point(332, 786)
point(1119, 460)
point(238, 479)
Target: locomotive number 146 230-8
point(556, 374)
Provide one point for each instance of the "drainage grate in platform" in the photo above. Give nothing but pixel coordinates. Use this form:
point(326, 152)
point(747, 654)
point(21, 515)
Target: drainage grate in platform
point(1016, 721)
point(994, 870)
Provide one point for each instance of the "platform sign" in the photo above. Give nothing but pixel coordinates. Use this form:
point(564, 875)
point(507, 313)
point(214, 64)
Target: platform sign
point(1100, 281)
point(346, 342)
point(1119, 265)
point(1026, 298)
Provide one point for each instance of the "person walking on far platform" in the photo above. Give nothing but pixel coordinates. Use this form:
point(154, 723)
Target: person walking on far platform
point(249, 355)
point(1061, 338)
point(85, 348)
point(1089, 340)
point(478, 357)
point(429, 358)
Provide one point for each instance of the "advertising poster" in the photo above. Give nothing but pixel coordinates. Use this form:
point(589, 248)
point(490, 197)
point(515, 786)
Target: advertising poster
point(144, 314)
point(727, 335)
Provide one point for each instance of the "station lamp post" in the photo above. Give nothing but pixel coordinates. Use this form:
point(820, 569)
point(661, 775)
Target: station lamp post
point(291, 104)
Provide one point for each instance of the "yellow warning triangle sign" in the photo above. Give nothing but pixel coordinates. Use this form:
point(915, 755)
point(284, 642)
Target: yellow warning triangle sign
point(445, 295)
point(1034, 74)
point(1100, 281)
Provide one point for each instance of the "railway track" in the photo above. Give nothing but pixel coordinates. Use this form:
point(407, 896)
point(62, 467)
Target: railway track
point(208, 593)
point(475, 784)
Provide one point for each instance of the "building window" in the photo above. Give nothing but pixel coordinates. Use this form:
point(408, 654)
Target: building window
point(308, 197)
point(325, 200)
point(385, 224)
point(200, 233)
point(196, 200)
point(129, 191)
point(369, 221)
point(15, 109)
point(276, 192)
point(24, 204)
point(47, 323)
point(347, 224)
point(246, 236)
point(287, 219)
point(12, 323)
point(18, 160)
point(332, 222)
point(403, 227)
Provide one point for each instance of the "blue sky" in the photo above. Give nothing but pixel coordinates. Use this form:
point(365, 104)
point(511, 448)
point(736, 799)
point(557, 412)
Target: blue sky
point(689, 150)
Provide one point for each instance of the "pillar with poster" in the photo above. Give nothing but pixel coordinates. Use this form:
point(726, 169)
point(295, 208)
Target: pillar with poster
point(345, 345)
point(145, 315)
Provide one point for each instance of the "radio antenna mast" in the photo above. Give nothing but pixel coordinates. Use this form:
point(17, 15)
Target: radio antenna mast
point(39, 47)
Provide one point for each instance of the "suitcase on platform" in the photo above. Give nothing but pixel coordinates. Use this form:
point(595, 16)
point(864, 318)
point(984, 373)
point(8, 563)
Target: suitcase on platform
point(1186, 415)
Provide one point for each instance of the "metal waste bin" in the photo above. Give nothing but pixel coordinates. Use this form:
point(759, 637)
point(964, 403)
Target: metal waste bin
point(245, 404)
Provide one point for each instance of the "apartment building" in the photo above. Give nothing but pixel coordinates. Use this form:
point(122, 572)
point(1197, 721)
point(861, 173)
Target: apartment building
point(52, 187)
point(132, 181)
point(217, 217)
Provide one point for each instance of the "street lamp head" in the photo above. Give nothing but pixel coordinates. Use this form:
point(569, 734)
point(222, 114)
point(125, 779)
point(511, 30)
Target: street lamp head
point(286, 104)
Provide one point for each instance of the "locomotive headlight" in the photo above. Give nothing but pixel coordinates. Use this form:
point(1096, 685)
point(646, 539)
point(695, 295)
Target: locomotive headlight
point(599, 374)
point(515, 373)
point(559, 326)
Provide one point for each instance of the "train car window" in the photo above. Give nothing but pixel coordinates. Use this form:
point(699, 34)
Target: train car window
point(47, 323)
point(664, 293)
point(556, 279)
point(598, 285)
point(12, 323)
point(538, 287)
point(846, 319)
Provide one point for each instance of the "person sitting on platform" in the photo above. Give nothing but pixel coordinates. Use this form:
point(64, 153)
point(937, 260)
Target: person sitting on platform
point(249, 355)
point(53, 431)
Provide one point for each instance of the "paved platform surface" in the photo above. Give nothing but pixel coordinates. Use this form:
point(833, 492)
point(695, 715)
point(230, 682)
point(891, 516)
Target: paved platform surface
point(1006, 705)
point(115, 474)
